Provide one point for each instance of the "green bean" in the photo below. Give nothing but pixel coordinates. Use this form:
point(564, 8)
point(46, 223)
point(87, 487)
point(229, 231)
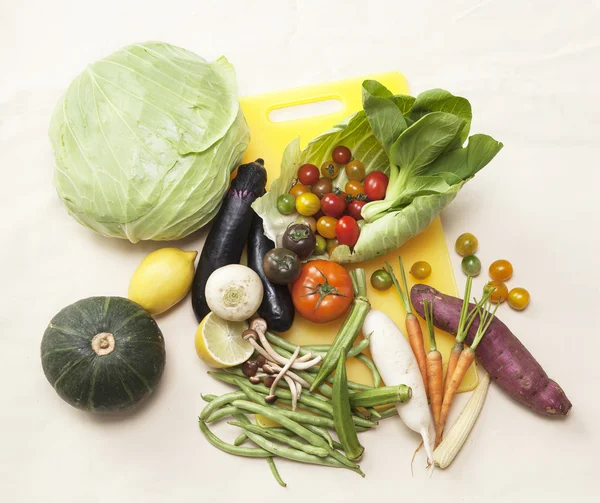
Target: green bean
point(251, 452)
point(219, 402)
point(242, 419)
point(283, 344)
point(341, 413)
point(391, 412)
point(240, 439)
point(208, 398)
point(292, 442)
point(279, 417)
point(371, 366)
point(387, 395)
point(305, 433)
point(282, 430)
point(321, 432)
point(275, 472)
point(221, 413)
point(296, 455)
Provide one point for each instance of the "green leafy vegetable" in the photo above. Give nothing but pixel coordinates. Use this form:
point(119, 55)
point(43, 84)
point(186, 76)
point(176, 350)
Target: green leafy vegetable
point(145, 141)
point(418, 142)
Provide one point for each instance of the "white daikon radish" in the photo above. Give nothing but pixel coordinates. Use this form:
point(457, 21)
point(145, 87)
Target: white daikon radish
point(397, 365)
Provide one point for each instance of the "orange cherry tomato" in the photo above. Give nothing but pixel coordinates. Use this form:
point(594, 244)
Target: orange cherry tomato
point(500, 292)
point(354, 188)
point(298, 189)
point(326, 227)
point(323, 292)
point(501, 270)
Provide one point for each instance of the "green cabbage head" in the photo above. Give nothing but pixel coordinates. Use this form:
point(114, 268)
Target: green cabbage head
point(145, 141)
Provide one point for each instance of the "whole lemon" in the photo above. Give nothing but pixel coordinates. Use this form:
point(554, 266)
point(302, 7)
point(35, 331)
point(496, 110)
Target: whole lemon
point(162, 279)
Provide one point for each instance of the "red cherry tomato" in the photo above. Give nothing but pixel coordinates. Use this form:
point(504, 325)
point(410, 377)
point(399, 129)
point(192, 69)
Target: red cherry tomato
point(341, 154)
point(347, 231)
point(332, 205)
point(375, 184)
point(355, 209)
point(308, 174)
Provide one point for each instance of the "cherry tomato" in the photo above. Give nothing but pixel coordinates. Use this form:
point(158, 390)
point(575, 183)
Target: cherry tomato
point(381, 280)
point(355, 170)
point(308, 221)
point(332, 205)
point(326, 227)
point(375, 184)
point(500, 291)
point(298, 189)
point(332, 244)
point(355, 208)
point(421, 269)
point(353, 188)
point(518, 298)
point(323, 292)
point(320, 246)
point(307, 204)
point(466, 244)
point(321, 187)
point(347, 231)
point(471, 265)
point(286, 204)
point(330, 170)
point(501, 270)
point(308, 174)
point(341, 154)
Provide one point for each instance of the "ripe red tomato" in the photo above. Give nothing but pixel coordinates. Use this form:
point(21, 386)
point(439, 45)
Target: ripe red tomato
point(308, 174)
point(347, 231)
point(355, 208)
point(323, 292)
point(375, 184)
point(332, 205)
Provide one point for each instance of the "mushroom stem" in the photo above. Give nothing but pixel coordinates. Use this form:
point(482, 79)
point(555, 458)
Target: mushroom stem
point(294, 376)
point(293, 390)
point(283, 371)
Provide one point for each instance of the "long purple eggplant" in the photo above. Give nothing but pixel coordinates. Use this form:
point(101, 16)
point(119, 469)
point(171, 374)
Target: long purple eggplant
point(502, 355)
point(229, 232)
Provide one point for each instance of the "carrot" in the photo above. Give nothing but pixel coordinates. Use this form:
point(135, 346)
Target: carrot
point(435, 372)
point(413, 327)
point(464, 323)
point(466, 358)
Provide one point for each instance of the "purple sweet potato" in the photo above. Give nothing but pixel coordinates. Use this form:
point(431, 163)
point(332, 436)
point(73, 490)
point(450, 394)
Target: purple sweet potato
point(502, 355)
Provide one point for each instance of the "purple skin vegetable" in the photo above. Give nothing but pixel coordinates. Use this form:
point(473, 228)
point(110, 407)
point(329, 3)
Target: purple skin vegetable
point(502, 355)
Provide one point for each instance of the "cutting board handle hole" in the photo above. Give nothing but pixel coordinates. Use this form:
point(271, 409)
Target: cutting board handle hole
point(305, 110)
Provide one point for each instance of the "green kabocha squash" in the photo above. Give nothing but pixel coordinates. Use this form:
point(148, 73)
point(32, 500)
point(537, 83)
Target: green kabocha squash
point(103, 354)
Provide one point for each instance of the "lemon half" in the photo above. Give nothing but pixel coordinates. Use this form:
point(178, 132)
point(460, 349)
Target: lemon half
point(219, 343)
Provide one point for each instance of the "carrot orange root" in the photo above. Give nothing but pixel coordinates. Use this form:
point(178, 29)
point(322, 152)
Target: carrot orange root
point(464, 362)
point(415, 338)
point(434, 378)
point(452, 361)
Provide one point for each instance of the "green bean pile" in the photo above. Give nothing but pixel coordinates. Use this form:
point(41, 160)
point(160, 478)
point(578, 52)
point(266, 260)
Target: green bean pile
point(339, 405)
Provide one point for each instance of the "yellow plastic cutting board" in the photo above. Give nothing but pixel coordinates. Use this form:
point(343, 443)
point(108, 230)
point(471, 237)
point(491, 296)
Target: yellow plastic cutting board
point(269, 140)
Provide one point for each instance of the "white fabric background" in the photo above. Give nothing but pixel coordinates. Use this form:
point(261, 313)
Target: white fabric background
point(531, 72)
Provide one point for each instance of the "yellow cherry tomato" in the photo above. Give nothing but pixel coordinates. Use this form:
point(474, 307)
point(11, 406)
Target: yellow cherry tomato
point(501, 270)
point(466, 244)
point(330, 170)
point(307, 204)
point(326, 227)
point(421, 269)
point(354, 188)
point(298, 189)
point(355, 170)
point(500, 292)
point(518, 298)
